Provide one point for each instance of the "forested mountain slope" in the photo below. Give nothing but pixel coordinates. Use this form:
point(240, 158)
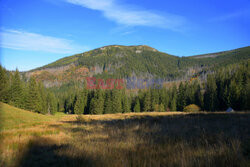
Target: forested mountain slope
point(141, 61)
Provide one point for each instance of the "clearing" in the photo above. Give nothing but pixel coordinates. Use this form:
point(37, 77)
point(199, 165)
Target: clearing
point(143, 139)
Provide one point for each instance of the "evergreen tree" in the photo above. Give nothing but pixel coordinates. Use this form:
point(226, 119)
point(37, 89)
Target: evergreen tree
point(154, 98)
point(199, 98)
point(125, 104)
point(16, 91)
point(108, 103)
point(43, 101)
point(181, 97)
point(210, 97)
point(51, 103)
point(97, 103)
point(137, 106)
point(79, 105)
point(147, 102)
point(234, 95)
point(116, 101)
point(4, 85)
point(173, 100)
point(33, 97)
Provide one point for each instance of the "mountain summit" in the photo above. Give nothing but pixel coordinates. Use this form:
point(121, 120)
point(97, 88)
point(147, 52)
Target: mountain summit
point(142, 61)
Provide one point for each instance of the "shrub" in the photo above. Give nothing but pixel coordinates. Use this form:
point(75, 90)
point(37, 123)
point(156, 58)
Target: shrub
point(191, 108)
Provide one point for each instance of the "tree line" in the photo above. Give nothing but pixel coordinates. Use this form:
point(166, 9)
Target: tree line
point(227, 87)
point(30, 95)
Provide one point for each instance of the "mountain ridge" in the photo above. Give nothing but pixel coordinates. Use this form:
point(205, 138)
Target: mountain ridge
point(142, 61)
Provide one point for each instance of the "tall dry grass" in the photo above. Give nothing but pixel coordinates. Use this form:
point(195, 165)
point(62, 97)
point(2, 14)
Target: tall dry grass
point(132, 140)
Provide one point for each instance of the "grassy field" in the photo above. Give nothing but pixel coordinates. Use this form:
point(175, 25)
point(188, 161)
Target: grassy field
point(144, 139)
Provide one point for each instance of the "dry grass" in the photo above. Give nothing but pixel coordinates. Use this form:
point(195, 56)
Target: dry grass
point(144, 139)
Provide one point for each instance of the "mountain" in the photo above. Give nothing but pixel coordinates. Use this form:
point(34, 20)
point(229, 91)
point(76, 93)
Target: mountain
point(127, 61)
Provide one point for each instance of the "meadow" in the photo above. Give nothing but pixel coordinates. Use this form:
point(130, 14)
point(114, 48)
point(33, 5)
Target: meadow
point(134, 139)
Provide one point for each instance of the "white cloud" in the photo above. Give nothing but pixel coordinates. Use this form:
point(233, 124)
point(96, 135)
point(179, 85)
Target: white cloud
point(126, 15)
point(22, 40)
point(230, 16)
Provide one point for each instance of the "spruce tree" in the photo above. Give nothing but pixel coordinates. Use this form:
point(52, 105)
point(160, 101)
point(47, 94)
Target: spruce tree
point(4, 85)
point(33, 102)
point(210, 96)
point(147, 102)
point(199, 98)
point(137, 106)
point(43, 101)
point(125, 105)
point(16, 91)
point(173, 98)
point(79, 105)
point(181, 97)
point(97, 103)
point(108, 102)
point(154, 98)
point(51, 103)
point(116, 101)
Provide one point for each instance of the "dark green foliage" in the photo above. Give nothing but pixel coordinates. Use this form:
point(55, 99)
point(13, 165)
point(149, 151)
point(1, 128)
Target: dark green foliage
point(4, 85)
point(173, 98)
point(33, 100)
point(116, 101)
point(79, 105)
point(147, 102)
point(108, 103)
point(97, 103)
point(181, 97)
point(51, 103)
point(43, 99)
point(125, 103)
point(16, 91)
point(137, 107)
point(226, 87)
point(210, 97)
point(124, 61)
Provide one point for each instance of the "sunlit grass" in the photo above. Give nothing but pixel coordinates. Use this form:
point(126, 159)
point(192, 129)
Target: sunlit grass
point(142, 139)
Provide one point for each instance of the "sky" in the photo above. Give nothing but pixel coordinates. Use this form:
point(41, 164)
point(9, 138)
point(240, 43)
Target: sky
point(34, 33)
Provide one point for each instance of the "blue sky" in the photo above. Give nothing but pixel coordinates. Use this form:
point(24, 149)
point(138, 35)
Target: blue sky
point(36, 32)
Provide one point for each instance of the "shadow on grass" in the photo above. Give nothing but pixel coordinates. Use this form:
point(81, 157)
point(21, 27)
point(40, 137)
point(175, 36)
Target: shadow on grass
point(177, 140)
point(188, 127)
point(42, 152)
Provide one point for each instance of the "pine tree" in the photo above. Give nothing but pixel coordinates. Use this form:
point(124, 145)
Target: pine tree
point(4, 85)
point(33, 97)
point(51, 103)
point(147, 102)
point(181, 97)
point(173, 99)
point(154, 98)
point(199, 98)
point(79, 105)
point(97, 103)
point(116, 101)
point(43, 95)
point(234, 95)
point(210, 97)
point(137, 107)
point(16, 91)
point(108, 103)
point(125, 105)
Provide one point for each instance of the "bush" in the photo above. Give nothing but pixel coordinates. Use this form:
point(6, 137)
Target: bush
point(192, 108)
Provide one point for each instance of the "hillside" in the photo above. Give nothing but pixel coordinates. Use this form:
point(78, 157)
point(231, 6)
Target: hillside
point(12, 117)
point(127, 61)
